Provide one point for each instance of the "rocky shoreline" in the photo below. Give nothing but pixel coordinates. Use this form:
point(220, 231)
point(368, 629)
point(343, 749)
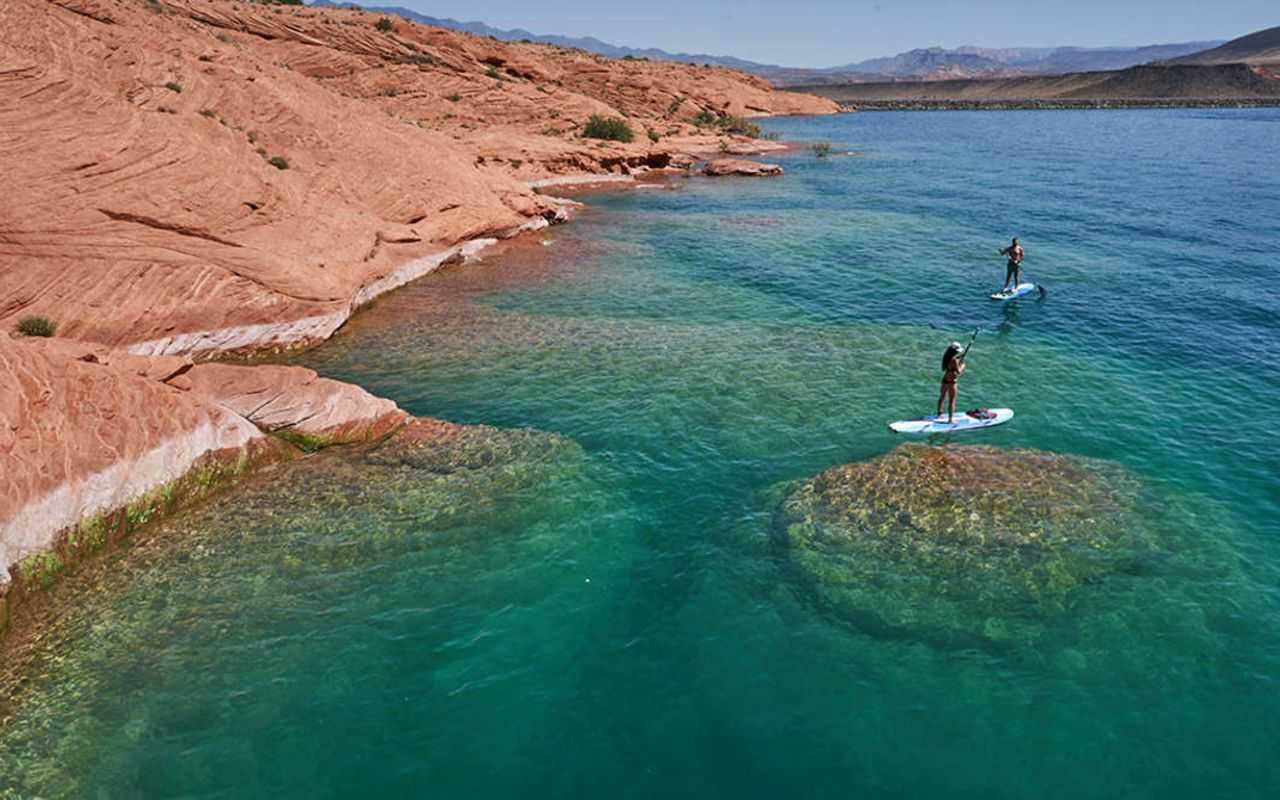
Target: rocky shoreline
point(1052, 105)
point(200, 179)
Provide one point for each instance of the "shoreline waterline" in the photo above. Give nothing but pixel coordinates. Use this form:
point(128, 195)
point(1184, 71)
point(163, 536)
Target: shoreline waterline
point(1117, 104)
point(25, 603)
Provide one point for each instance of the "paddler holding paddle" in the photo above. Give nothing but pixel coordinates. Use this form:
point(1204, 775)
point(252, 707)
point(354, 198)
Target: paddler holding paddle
point(952, 368)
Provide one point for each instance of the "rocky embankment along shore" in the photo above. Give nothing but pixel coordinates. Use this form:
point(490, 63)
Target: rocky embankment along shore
point(189, 178)
point(1049, 105)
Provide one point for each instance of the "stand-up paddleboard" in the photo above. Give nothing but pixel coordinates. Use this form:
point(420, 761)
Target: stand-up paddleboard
point(1020, 290)
point(963, 421)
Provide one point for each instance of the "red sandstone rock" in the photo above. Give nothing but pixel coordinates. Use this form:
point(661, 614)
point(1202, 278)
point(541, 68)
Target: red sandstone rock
point(80, 437)
point(737, 166)
point(141, 210)
point(295, 399)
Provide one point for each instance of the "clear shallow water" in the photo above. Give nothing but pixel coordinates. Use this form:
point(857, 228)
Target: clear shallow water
point(623, 624)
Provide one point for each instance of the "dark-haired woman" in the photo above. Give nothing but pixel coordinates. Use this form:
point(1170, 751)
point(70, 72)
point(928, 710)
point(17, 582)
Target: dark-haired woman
point(952, 369)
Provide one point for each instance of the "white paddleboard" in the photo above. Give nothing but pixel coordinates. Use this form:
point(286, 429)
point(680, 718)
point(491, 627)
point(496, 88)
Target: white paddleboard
point(961, 422)
point(1017, 291)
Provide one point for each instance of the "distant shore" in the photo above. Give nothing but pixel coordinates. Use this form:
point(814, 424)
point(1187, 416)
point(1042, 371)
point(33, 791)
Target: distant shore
point(1054, 105)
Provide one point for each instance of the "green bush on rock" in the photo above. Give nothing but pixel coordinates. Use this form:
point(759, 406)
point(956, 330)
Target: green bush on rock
point(610, 128)
point(36, 326)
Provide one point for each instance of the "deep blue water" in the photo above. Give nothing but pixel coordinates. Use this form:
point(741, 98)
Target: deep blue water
point(626, 626)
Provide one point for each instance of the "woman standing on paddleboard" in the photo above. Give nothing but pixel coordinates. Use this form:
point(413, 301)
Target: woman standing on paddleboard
point(952, 369)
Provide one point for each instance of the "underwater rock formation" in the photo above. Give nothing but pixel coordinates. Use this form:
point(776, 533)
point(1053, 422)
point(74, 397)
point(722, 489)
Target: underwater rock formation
point(960, 545)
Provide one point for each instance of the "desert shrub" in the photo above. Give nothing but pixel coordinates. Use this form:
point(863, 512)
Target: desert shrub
point(822, 149)
point(492, 72)
point(614, 129)
point(653, 135)
point(224, 38)
point(384, 24)
point(278, 162)
point(36, 326)
point(453, 98)
point(740, 126)
point(675, 105)
point(728, 123)
point(174, 87)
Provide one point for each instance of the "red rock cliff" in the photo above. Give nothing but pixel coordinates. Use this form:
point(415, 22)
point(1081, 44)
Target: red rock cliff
point(143, 140)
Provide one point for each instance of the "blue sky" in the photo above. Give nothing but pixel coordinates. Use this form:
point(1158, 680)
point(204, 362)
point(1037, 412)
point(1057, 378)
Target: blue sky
point(821, 33)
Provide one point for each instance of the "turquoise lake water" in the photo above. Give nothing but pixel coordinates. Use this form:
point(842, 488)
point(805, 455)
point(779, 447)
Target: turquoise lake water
point(613, 616)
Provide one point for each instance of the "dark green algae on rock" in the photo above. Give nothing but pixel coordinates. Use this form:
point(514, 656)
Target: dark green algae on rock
point(962, 545)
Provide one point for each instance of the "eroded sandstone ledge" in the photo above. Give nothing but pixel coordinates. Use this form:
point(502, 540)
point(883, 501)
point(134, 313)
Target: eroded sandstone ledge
point(95, 442)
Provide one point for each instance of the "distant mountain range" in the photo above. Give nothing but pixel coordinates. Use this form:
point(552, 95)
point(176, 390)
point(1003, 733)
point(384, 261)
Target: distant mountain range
point(934, 63)
point(975, 61)
point(588, 43)
point(1243, 70)
point(1260, 48)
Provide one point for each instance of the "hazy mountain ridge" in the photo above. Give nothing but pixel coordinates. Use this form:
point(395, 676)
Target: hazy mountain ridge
point(1026, 61)
point(932, 63)
point(1260, 48)
point(588, 43)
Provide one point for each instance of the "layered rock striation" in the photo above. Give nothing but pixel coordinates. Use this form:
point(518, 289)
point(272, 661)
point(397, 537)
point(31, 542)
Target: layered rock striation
point(197, 176)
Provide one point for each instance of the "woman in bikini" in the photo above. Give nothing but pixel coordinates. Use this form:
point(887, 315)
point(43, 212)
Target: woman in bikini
point(952, 369)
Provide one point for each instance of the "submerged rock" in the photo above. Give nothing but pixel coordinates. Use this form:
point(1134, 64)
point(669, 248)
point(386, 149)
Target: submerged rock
point(443, 447)
point(739, 166)
point(960, 545)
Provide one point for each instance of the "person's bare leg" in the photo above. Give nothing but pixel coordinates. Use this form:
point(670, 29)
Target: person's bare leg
point(951, 405)
point(942, 395)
